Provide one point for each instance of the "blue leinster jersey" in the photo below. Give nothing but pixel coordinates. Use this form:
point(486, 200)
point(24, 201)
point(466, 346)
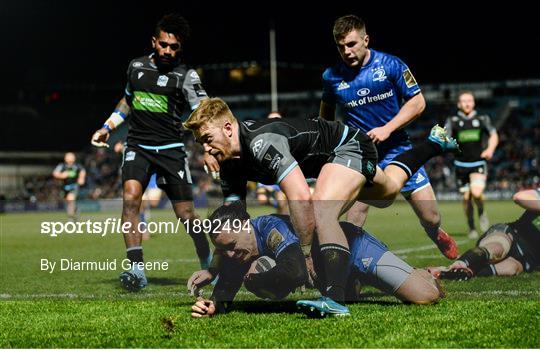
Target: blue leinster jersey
point(273, 235)
point(371, 95)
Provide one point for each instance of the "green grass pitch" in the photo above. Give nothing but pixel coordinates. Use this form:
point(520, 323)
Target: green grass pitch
point(88, 309)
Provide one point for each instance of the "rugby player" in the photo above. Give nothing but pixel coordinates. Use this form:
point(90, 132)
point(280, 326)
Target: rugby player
point(159, 88)
point(504, 249)
point(286, 151)
point(380, 96)
point(471, 130)
point(273, 236)
point(73, 175)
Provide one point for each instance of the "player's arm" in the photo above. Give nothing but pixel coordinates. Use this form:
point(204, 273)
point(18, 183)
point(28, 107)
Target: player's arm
point(58, 173)
point(100, 137)
point(408, 112)
point(289, 273)
point(82, 177)
point(493, 140)
point(528, 199)
point(327, 110)
point(295, 187)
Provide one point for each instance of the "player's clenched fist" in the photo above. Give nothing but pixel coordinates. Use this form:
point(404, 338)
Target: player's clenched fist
point(203, 308)
point(100, 137)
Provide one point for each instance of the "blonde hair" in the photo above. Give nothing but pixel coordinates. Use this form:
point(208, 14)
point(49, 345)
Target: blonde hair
point(209, 110)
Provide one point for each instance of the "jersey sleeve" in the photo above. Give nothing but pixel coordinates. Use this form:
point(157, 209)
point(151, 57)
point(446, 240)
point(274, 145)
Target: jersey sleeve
point(448, 126)
point(273, 154)
point(280, 237)
point(328, 94)
point(488, 125)
point(58, 168)
point(404, 81)
point(193, 89)
point(127, 91)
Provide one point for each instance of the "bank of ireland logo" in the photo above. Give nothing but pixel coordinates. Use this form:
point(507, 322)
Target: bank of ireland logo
point(363, 92)
point(379, 74)
point(162, 80)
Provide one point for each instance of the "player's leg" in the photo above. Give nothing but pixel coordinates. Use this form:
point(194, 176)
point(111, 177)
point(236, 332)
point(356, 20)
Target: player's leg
point(336, 190)
point(492, 247)
point(405, 165)
point(71, 204)
point(134, 279)
point(358, 213)
point(174, 177)
point(478, 184)
point(419, 288)
point(425, 206)
point(135, 175)
point(508, 267)
point(468, 208)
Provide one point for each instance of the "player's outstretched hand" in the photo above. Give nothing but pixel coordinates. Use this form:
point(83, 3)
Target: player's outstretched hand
point(211, 165)
point(203, 308)
point(100, 137)
point(198, 280)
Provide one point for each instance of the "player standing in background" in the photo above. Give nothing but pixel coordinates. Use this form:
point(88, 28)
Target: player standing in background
point(471, 129)
point(159, 88)
point(380, 97)
point(73, 175)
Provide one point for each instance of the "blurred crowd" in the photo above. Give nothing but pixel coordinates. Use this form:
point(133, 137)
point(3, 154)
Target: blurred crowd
point(515, 165)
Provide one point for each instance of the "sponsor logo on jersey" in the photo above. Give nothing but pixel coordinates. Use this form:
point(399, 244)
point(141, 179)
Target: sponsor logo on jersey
point(194, 77)
point(162, 80)
point(363, 92)
point(366, 262)
point(274, 239)
point(475, 123)
point(419, 178)
point(472, 135)
point(370, 99)
point(409, 78)
point(257, 146)
point(181, 174)
point(146, 101)
point(379, 74)
point(130, 156)
point(139, 75)
point(137, 64)
point(342, 86)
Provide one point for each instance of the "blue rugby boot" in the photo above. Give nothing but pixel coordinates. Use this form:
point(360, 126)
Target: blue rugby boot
point(439, 136)
point(322, 307)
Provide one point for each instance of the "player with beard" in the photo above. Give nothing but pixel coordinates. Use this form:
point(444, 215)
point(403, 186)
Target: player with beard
point(159, 88)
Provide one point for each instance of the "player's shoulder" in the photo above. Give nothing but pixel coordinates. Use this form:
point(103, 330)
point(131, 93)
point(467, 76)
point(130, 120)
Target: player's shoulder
point(335, 72)
point(385, 57)
point(139, 62)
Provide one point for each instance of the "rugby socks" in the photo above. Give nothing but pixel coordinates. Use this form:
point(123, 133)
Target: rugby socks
point(135, 254)
point(487, 271)
point(432, 232)
point(469, 211)
point(479, 205)
point(475, 258)
point(412, 160)
point(335, 259)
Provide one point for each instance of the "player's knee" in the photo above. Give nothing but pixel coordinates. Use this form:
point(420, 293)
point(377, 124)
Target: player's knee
point(422, 288)
point(430, 218)
point(511, 268)
point(186, 213)
point(476, 192)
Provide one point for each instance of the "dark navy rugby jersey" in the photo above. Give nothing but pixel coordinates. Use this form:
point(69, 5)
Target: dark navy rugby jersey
point(157, 100)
